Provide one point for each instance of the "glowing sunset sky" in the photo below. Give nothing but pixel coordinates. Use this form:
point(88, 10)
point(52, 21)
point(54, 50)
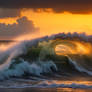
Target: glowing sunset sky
point(44, 18)
point(50, 23)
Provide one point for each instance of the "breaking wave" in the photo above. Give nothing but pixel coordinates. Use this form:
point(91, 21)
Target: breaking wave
point(57, 55)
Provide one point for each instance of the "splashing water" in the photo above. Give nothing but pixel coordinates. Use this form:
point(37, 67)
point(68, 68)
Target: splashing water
point(46, 57)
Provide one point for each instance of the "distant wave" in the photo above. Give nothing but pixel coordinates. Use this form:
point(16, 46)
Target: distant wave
point(50, 84)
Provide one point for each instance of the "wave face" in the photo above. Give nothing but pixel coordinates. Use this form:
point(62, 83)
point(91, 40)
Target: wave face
point(58, 56)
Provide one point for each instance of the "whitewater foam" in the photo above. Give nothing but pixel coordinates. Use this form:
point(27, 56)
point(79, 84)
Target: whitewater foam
point(35, 68)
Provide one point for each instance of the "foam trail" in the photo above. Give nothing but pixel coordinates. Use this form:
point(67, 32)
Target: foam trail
point(79, 68)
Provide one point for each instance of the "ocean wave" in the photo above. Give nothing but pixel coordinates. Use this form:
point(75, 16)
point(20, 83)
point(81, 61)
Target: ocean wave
point(48, 84)
point(34, 57)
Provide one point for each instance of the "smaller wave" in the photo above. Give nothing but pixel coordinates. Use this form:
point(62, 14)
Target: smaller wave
point(21, 67)
point(53, 84)
point(50, 84)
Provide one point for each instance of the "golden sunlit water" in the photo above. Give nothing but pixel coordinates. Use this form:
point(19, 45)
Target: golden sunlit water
point(73, 47)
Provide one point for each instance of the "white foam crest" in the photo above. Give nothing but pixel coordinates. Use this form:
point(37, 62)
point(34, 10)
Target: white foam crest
point(35, 68)
point(80, 36)
point(14, 51)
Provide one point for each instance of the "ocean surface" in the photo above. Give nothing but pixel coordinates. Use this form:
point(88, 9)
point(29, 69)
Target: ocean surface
point(57, 63)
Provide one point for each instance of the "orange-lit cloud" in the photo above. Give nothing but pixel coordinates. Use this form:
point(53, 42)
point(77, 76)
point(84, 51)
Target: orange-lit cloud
point(22, 27)
point(52, 23)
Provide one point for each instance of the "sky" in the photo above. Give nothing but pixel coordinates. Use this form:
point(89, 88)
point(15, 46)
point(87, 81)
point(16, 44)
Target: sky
point(25, 19)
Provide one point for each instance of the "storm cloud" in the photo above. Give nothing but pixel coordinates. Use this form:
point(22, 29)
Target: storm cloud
point(6, 13)
point(73, 6)
point(23, 27)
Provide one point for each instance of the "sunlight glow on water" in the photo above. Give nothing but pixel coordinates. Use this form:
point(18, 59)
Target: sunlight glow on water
point(75, 48)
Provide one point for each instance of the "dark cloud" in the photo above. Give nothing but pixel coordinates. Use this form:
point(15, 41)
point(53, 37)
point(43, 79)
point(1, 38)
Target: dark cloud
point(23, 27)
point(4, 13)
point(74, 6)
